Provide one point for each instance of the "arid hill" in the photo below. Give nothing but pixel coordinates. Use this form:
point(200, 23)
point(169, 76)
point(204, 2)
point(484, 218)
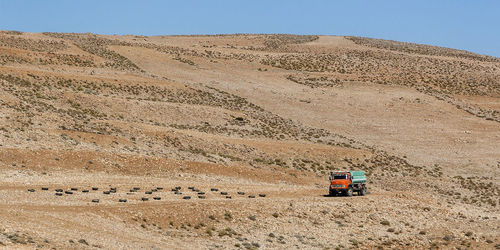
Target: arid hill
point(96, 133)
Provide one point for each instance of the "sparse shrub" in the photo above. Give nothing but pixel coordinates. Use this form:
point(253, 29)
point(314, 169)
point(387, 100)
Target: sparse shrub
point(227, 232)
point(228, 216)
point(385, 223)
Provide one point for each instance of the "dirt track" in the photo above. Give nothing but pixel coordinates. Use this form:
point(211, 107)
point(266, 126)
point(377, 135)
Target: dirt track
point(298, 215)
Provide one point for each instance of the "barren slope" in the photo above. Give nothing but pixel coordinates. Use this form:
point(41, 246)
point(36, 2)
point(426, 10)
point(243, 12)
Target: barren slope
point(261, 117)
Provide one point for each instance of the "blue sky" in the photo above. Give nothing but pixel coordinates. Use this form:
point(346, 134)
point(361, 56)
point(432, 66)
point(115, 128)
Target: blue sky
point(462, 24)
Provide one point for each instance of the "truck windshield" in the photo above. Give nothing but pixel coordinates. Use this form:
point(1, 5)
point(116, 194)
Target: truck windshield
point(340, 177)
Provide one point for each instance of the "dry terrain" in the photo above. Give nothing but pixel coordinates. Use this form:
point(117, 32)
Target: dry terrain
point(226, 141)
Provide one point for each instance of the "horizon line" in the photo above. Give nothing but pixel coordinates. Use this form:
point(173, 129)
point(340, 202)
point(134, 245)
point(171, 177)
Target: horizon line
point(242, 34)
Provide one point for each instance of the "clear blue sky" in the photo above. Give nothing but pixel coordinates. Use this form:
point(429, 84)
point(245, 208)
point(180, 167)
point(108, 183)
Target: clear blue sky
point(472, 25)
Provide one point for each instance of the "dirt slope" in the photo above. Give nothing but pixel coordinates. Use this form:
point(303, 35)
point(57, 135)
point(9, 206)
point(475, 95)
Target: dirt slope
point(253, 123)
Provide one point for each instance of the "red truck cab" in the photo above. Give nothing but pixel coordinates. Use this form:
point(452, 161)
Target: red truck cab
point(347, 182)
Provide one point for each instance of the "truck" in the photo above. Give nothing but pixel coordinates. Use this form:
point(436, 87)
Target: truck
point(347, 182)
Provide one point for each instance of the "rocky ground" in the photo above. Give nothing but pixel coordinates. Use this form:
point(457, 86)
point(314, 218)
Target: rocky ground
point(226, 142)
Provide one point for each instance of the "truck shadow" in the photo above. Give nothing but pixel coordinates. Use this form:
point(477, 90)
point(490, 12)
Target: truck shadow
point(328, 195)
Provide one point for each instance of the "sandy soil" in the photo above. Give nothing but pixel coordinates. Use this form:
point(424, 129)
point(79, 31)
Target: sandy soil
point(260, 118)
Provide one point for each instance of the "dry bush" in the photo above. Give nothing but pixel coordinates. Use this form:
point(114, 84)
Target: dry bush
point(31, 44)
point(98, 46)
point(421, 49)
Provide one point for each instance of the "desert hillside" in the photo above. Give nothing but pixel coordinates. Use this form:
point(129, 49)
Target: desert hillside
point(226, 141)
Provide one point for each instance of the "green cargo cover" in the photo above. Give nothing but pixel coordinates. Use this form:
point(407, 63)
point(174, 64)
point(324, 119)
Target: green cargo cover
point(358, 177)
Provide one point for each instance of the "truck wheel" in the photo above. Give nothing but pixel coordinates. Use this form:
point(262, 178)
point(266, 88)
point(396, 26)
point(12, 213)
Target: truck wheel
point(362, 192)
point(349, 192)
